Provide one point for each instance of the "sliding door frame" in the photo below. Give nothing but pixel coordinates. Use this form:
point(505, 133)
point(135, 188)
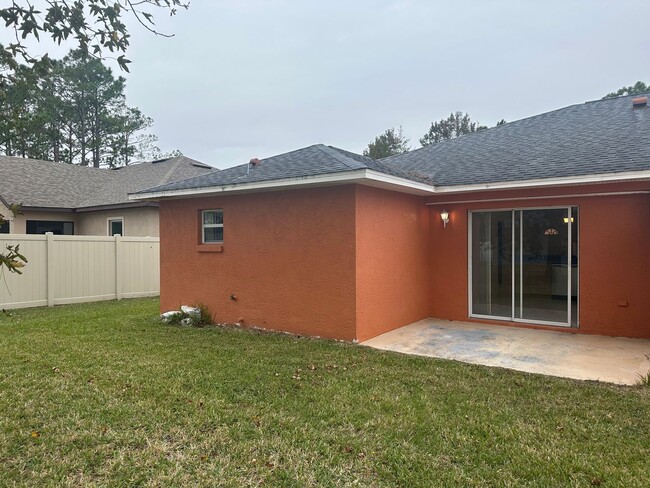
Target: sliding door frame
point(514, 257)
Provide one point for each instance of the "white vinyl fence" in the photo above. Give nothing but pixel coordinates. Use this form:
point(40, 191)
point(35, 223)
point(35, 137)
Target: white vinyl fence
point(72, 269)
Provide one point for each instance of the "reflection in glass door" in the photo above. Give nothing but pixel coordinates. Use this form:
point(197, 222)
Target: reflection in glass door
point(492, 264)
point(524, 265)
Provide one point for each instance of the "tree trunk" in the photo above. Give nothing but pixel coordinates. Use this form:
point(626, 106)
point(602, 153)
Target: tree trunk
point(70, 144)
point(96, 137)
point(56, 151)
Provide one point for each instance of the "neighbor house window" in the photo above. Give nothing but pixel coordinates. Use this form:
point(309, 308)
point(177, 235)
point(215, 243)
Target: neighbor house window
point(212, 228)
point(116, 226)
point(53, 226)
point(4, 227)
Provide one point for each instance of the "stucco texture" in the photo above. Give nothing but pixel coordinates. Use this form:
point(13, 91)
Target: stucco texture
point(352, 262)
point(392, 253)
point(287, 261)
point(138, 222)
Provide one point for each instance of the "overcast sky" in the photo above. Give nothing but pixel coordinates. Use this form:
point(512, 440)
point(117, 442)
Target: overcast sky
point(254, 78)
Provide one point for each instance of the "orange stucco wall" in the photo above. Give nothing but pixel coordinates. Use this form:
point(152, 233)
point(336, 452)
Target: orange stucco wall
point(614, 255)
point(391, 260)
point(352, 262)
point(288, 257)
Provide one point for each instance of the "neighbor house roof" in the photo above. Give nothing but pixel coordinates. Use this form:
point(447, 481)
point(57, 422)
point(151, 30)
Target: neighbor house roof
point(3, 202)
point(593, 138)
point(135, 177)
point(603, 137)
point(35, 183)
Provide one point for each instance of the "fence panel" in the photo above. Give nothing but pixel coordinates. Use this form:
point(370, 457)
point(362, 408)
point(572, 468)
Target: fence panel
point(72, 269)
point(139, 265)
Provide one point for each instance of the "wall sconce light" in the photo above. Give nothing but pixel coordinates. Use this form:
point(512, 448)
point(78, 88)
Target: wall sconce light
point(444, 215)
point(566, 220)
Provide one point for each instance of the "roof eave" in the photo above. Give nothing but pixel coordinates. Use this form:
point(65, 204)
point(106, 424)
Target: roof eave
point(547, 182)
point(390, 182)
point(361, 176)
point(116, 206)
point(44, 208)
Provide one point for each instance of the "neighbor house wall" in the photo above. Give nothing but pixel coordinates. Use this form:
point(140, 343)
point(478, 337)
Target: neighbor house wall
point(138, 222)
point(19, 225)
point(392, 255)
point(614, 254)
point(287, 261)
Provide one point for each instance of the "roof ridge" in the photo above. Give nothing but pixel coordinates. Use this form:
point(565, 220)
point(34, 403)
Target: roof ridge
point(337, 155)
point(170, 171)
point(629, 95)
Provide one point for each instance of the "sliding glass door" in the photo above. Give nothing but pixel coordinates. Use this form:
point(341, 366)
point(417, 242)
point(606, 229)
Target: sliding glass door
point(491, 250)
point(524, 265)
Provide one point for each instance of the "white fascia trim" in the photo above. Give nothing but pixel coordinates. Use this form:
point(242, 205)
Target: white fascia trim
point(544, 182)
point(357, 176)
point(399, 181)
point(367, 176)
point(257, 185)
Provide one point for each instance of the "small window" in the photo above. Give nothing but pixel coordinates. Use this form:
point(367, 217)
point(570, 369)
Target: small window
point(4, 227)
point(116, 226)
point(212, 228)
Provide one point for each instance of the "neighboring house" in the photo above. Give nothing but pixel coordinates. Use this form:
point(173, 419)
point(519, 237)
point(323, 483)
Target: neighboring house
point(542, 222)
point(7, 216)
point(69, 199)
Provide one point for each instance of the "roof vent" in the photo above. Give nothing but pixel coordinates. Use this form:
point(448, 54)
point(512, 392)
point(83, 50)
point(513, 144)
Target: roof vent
point(255, 162)
point(639, 102)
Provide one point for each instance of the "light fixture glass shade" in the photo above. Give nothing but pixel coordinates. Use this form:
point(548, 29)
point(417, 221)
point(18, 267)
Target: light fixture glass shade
point(566, 220)
point(444, 215)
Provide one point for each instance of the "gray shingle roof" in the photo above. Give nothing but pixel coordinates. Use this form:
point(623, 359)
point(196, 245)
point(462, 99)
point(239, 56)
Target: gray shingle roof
point(145, 175)
point(598, 137)
point(603, 136)
point(308, 161)
point(36, 183)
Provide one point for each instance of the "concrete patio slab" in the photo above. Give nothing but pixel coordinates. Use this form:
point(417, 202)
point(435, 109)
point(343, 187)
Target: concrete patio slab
point(579, 356)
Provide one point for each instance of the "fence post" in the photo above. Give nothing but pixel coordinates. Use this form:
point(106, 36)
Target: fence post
point(49, 250)
point(118, 266)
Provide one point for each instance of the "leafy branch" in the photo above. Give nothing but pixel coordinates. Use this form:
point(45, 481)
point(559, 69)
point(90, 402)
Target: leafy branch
point(11, 258)
point(96, 25)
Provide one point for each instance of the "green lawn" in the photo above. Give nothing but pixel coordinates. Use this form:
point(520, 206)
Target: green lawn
point(102, 394)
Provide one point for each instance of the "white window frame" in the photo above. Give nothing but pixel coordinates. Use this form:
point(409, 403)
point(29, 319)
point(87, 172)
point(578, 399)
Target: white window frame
point(210, 226)
point(108, 225)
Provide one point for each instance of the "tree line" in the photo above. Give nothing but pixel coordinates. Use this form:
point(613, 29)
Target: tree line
point(392, 141)
point(75, 112)
point(96, 26)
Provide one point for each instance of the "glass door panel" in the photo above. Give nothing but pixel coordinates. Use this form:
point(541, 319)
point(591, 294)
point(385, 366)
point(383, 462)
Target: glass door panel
point(543, 258)
point(491, 264)
point(574, 267)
